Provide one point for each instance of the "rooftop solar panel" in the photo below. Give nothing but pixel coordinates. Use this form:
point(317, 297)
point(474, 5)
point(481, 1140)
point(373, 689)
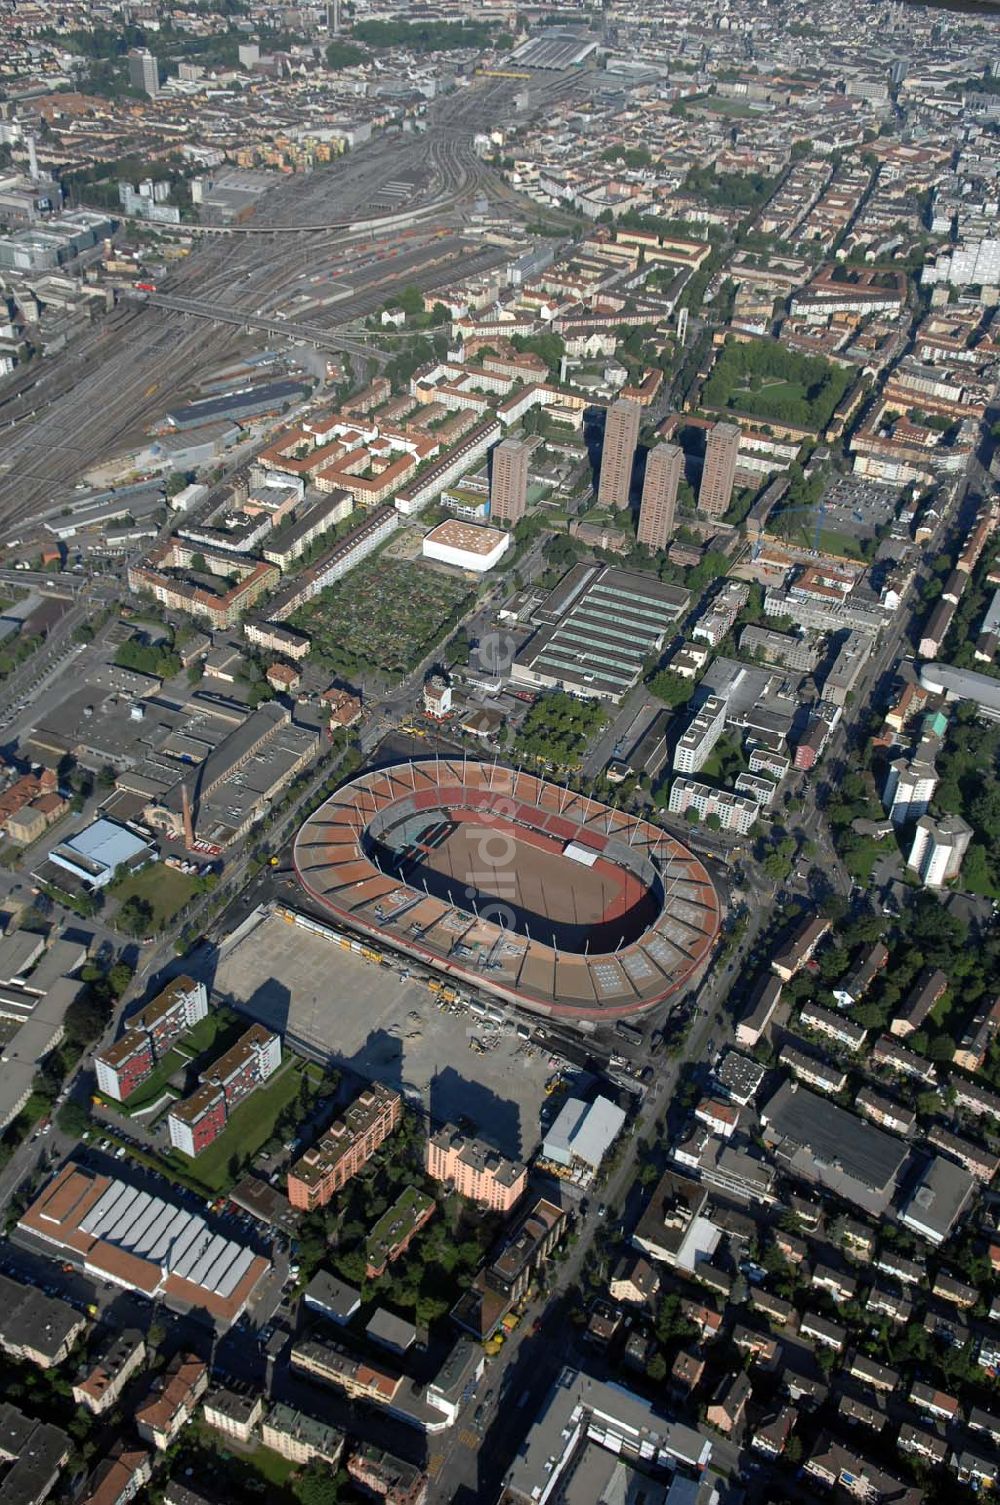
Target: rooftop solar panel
point(187, 1261)
point(167, 1234)
point(104, 1207)
point(239, 1267)
point(206, 1259)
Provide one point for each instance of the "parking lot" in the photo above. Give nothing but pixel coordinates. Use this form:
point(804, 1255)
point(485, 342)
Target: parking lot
point(859, 507)
point(390, 1028)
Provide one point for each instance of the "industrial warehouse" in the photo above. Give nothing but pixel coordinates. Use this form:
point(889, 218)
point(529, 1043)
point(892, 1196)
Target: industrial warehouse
point(115, 1232)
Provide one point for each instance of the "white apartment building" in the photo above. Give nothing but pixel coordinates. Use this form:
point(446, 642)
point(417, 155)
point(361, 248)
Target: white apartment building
point(938, 849)
point(695, 746)
point(735, 812)
point(909, 788)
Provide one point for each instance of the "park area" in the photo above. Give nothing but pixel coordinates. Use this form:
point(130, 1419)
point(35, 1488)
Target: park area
point(763, 380)
point(557, 729)
point(149, 898)
point(386, 615)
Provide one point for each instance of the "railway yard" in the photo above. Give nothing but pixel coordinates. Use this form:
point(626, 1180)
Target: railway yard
point(339, 228)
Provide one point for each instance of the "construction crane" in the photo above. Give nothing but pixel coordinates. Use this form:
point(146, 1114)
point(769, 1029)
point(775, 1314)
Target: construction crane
point(820, 511)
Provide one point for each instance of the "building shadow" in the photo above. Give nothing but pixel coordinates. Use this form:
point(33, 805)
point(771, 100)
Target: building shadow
point(454, 1097)
point(379, 1059)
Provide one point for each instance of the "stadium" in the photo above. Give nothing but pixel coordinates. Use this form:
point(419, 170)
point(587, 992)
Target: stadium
point(511, 885)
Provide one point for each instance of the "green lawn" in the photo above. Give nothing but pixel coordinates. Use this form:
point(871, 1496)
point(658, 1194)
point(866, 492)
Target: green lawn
point(765, 381)
point(722, 106)
point(270, 1465)
point(250, 1126)
point(163, 887)
point(207, 1038)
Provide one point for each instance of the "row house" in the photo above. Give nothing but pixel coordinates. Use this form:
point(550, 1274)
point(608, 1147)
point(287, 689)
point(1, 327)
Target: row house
point(920, 1442)
point(822, 1330)
point(976, 1158)
point(832, 1464)
point(770, 1438)
point(871, 1373)
point(838, 1286)
point(889, 1054)
point(834, 1026)
point(885, 1303)
point(936, 1403)
point(950, 1288)
point(810, 1069)
point(856, 1411)
point(885, 1111)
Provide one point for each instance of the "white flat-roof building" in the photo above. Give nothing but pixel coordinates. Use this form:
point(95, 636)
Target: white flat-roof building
point(94, 854)
point(583, 1134)
point(467, 546)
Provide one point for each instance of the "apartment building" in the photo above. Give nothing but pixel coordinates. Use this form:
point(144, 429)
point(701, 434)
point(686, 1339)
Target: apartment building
point(811, 1069)
point(301, 1438)
point(149, 1035)
point(233, 1413)
point(288, 545)
point(909, 788)
point(334, 1365)
point(735, 812)
point(346, 1146)
point(509, 481)
point(221, 609)
point(119, 1478)
point(37, 1328)
point(376, 525)
point(621, 436)
point(448, 467)
point(99, 1386)
point(938, 849)
point(396, 1229)
point(475, 1170)
point(800, 948)
point(696, 743)
point(719, 474)
point(199, 1119)
point(502, 1283)
point(834, 1026)
point(664, 467)
point(386, 1477)
point(885, 1111)
point(173, 1402)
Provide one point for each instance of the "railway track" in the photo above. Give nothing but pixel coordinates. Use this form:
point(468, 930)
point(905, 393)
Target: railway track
point(56, 419)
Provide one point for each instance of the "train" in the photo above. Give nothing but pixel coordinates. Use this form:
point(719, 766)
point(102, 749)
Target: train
point(145, 287)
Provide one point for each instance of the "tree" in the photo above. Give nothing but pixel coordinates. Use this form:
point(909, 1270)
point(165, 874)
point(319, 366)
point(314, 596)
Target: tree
point(343, 55)
point(135, 916)
point(119, 975)
point(673, 689)
point(656, 1369)
point(691, 815)
point(73, 1119)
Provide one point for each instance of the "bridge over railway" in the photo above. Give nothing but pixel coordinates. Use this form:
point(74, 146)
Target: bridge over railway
point(306, 334)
